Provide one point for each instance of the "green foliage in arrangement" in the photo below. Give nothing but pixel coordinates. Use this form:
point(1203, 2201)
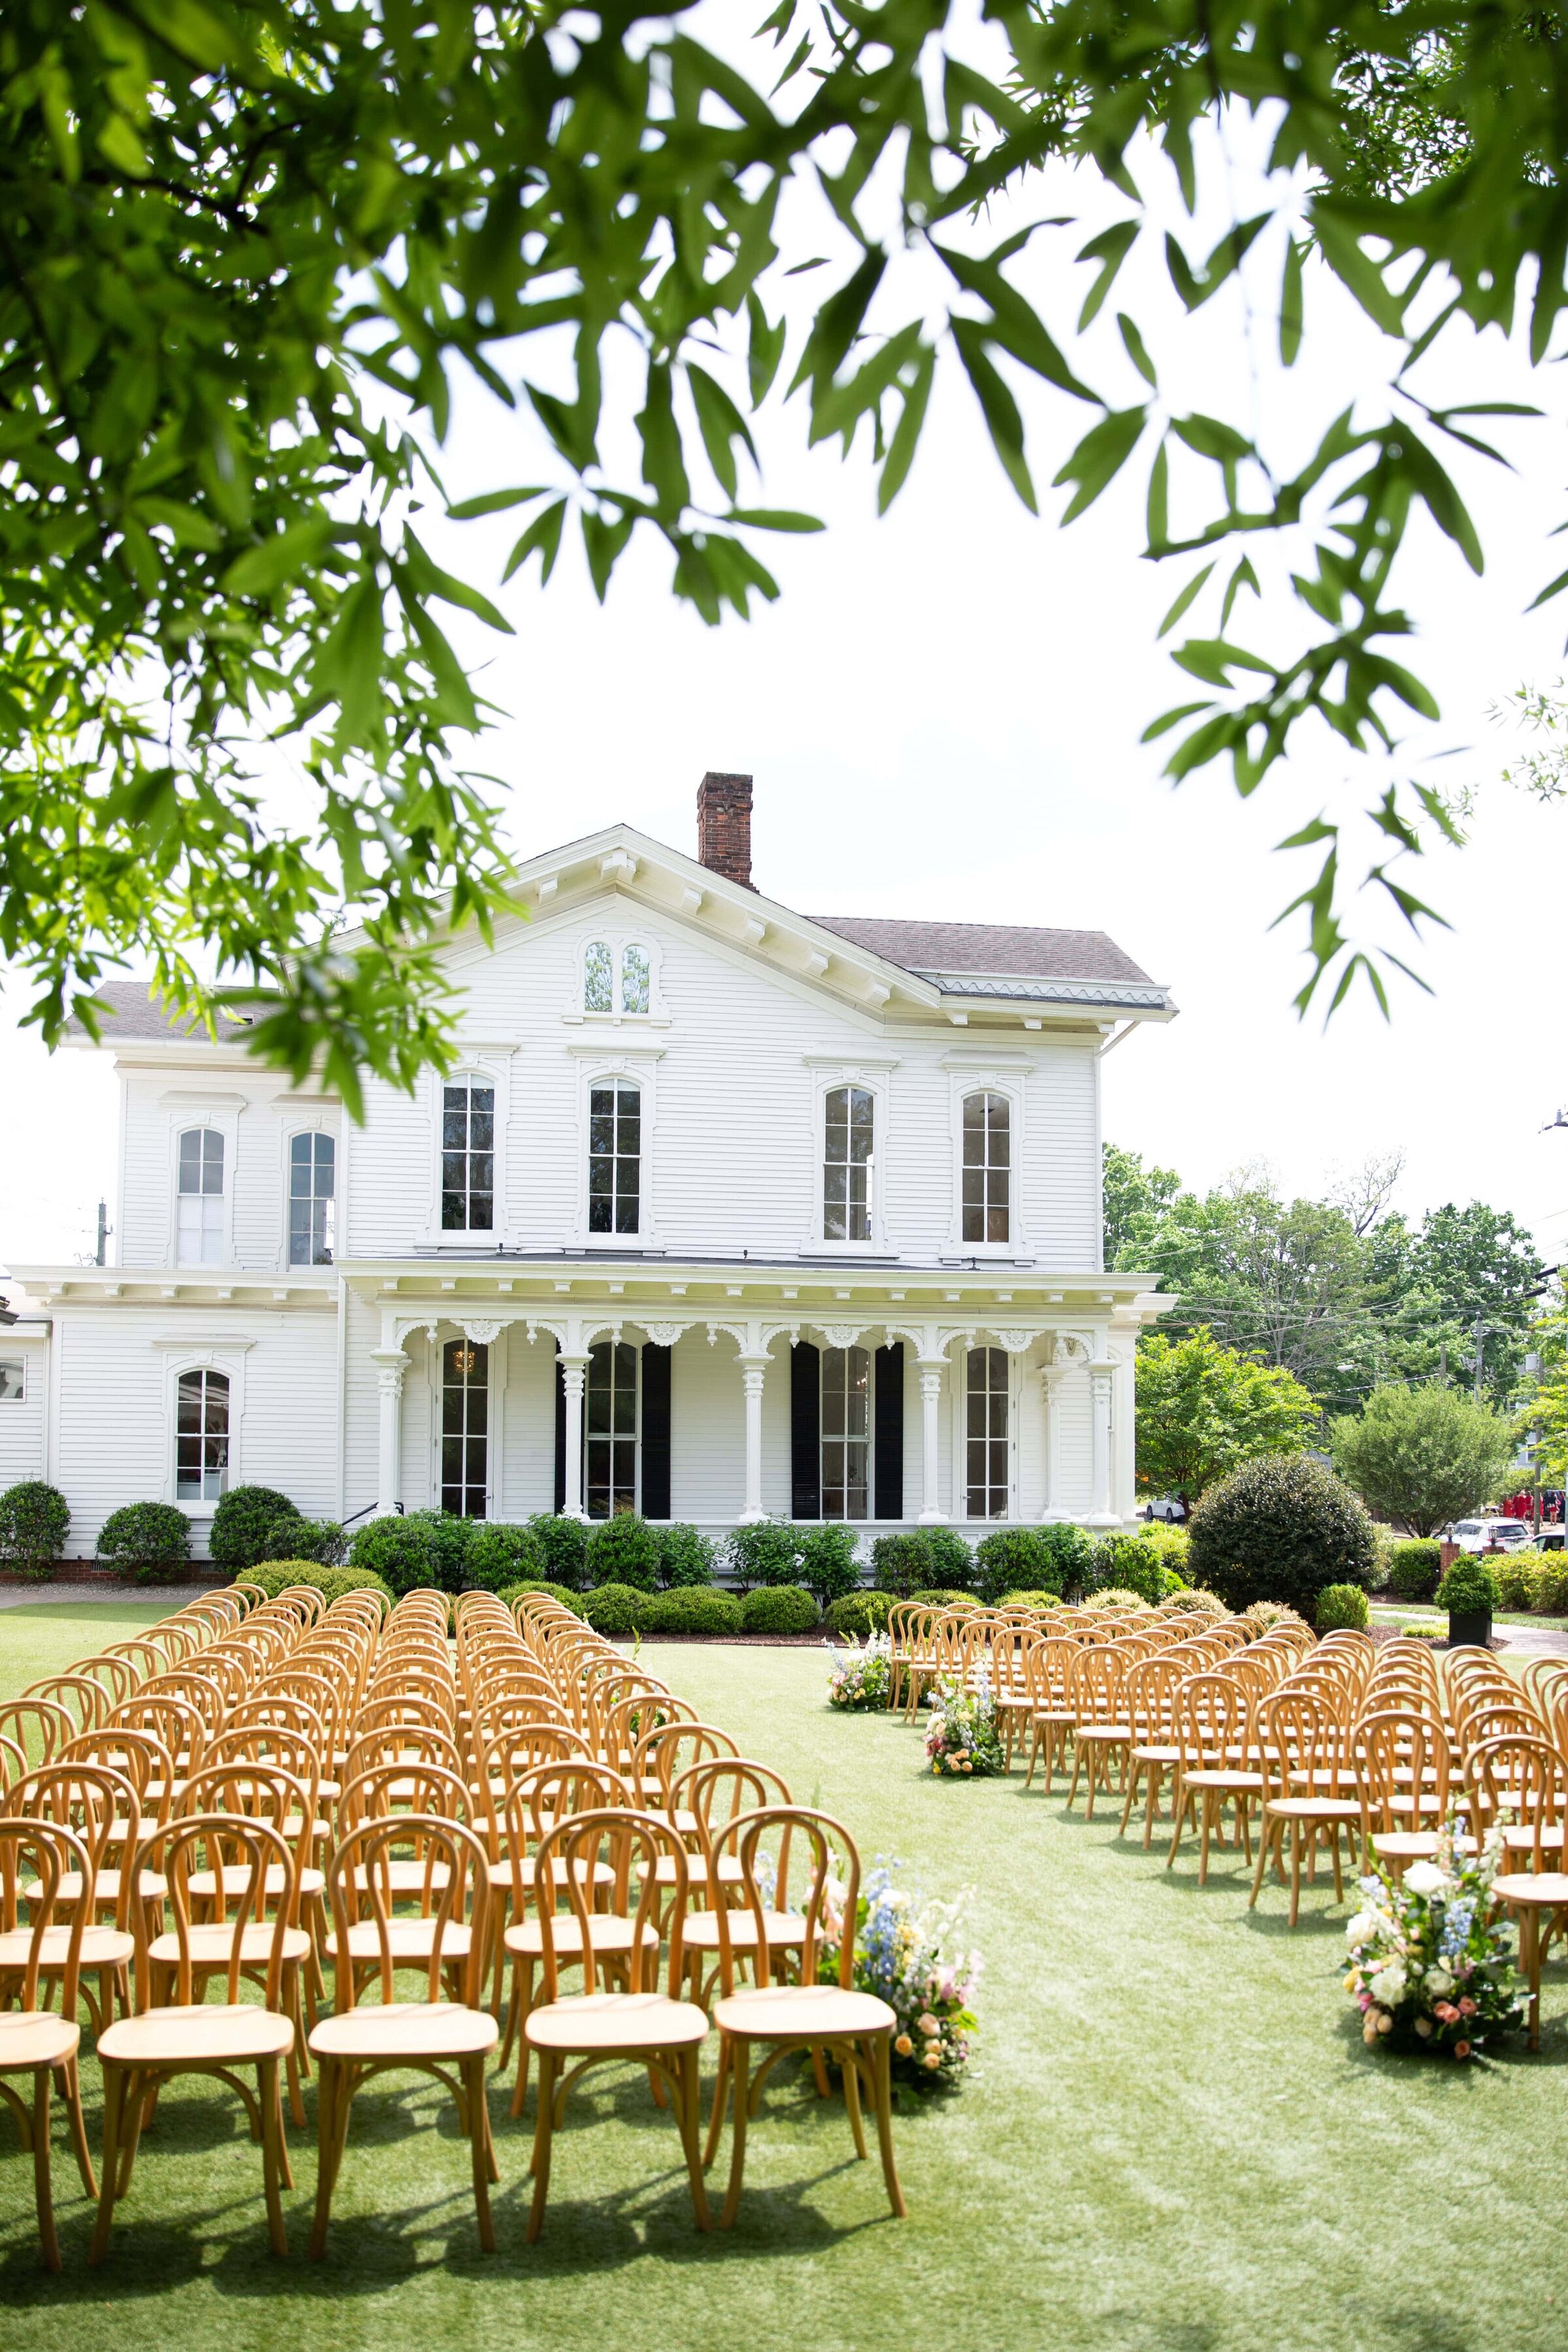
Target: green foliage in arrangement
point(568, 1600)
point(1280, 1529)
point(614, 1609)
point(243, 1525)
point(1469, 1586)
point(764, 1553)
point(1414, 1568)
point(1423, 1456)
point(862, 1612)
point(146, 1540)
point(34, 1519)
point(624, 1550)
point(1341, 1607)
point(562, 1547)
point(411, 1549)
point(779, 1609)
point(498, 1555)
point(689, 1609)
point(686, 1556)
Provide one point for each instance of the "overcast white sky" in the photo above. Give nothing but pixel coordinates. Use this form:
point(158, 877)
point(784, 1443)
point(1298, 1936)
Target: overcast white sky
point(942, 717)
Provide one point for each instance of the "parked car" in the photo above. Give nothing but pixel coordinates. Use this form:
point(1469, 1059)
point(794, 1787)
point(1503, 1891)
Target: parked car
point(1491, 1535)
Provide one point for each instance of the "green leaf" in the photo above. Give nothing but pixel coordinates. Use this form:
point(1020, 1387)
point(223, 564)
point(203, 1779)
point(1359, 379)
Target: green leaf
point(431, 581)
point(602, 543)
point(493, 502)
point(907, 432)
point(773, 519)
point(284, 557)
point(997, 406)
point(1137, 350)
point(1183, 600)
point(1292, 302)
point(721, 423)
point(118, 144)
point(766, 350)
point(543, 535)
point(1111, 249)
point(1099, 457)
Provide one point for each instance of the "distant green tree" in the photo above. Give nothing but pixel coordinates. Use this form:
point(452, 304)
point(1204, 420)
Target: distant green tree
point(1202, 1410)
point(1135, 1199)
point(1422, 1456)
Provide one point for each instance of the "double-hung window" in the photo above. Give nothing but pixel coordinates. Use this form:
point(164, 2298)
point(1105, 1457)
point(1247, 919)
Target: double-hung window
point(846, 1432)
point(985, 1434)
point(610, 1430)
point(312, 1189)
point(614, 1160)
point(467, 1158)
point(201, 1437)
point(987, 1168)
point(200, 1222)
point(848, 1164)
point(465, 1428)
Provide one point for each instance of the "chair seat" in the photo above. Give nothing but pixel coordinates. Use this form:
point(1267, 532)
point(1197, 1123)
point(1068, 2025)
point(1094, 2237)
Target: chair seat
point(501, 1874)
point(101, 1947)
point(606, 1933)
point(407, 2029)
point(225, 2034)
point(211, 1946)
point(152, 1886)
point(202, 1883)
point(1413, 1845)
point(1158, 1752)
point(36, 2037)
point(1216, 1778)
point(1314, 1809)
point(1545, 1887)
point(701, 1932)
point(1518, 1837)
point(597, 2021)
point(729, 1871)
point(1117, 1732)
point(802, 2014)
point(410, 1941)
point(408, 1877)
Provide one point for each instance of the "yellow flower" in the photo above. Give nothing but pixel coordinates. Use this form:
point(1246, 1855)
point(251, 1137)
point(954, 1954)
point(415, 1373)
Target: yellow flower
point(903, 2045)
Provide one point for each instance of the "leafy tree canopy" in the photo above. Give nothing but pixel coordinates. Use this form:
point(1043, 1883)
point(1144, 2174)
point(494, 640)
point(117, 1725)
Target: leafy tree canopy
point(1422, 1456)
point(1202, 1410)
point(247, 246)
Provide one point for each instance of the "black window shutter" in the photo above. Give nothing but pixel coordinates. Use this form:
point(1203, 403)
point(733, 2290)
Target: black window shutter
point(656, 1369)
point(889, 1458)
point(560, 1434)
point(804, 1430)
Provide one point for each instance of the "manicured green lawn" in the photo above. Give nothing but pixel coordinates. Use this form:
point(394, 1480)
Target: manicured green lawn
point(1171, 2141)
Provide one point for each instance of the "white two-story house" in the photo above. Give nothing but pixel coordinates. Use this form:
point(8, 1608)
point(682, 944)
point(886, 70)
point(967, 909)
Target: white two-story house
point(724, 1212)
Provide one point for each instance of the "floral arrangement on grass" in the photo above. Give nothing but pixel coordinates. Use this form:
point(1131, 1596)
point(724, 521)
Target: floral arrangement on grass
point(962, 1740)
point(1429, 1967)
point(861, 1674)
point(907, 1956)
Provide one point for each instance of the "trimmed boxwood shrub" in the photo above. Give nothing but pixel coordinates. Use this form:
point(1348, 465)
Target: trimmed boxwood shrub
point(1011, 1558)
point(686, 1556)
point(1280, 1528)
point(1469, 1586)
point(146, 1539)
point(761, 1554)
point(779, 1609)
point(827, 1551)
point(1414, 1568)
point(498, 1555)
point(689, 1609)
point(952, 1559)
point(615, 1609)
point(860, 1612)
point(563, 1548)
point(411, 1549)
point(1132, 1565)
point(1031, 1600)
point(242, 1525)
point(275, 1576)
point(902, 1562)
point(322, 1540)
point(572, 1600)
point(624, 1550)
point(1340, 1606)
point(934, 1597)
point(34, 1517)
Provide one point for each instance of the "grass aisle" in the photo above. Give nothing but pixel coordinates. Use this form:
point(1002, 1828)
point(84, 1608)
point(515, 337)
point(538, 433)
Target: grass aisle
point(1171, 2140)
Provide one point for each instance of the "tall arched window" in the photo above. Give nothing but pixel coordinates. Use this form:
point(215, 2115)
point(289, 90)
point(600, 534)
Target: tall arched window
point(200, 1235)
point(465, 1428)
point(634, 979)
point(985, 1434)
point(201, 1437)
point(987, 1168)
point(610, 1430)
point(847, 1160)
point(614, 1160)
point(599, 978)
point(846, 1432)
point(313, 1187)
point(467, 1158)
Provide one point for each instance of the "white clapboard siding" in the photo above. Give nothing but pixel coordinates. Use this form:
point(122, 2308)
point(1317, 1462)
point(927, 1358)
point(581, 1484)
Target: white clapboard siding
point(24, 1420)
point(257, 1114)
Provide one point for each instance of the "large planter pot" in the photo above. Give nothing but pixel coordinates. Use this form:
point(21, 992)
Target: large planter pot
point(1469, 1629)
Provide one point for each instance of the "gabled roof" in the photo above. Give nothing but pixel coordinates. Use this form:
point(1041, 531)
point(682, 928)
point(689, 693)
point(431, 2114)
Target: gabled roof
point(991, 959)
point(135, 1013)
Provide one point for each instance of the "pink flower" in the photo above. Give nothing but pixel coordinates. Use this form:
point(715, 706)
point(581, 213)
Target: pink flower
point(1461, 2049)
point(1466, 2006)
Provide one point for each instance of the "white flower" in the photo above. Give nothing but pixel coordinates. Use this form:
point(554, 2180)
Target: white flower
point(1439, 1983)
point(1362, 1928)
point(1424, 1878)
point(1387, 1988)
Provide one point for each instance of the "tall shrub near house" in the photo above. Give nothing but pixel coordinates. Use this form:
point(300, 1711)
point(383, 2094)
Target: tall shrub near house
point(624, 1550)
point(416, 1548)
point(243, 1527)
point(34, 1521)
point(563, 1548)
point(1280, 1529)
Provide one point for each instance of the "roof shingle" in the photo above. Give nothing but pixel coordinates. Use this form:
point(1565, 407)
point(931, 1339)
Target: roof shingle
point(1015, 949)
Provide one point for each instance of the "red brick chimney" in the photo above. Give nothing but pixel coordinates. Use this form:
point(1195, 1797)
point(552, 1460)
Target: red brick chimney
point(724, 826)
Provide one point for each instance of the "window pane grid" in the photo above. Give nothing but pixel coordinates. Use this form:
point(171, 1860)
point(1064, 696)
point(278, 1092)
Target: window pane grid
point(614, 1160)
point(201, 1437)
point(634, 979)
point(610, 1430)
point(598, 978)
point(199, 1218)
point(846, 1432)
point(987, 1168)
point(467, 1159)
point(465, 1428)
point(985, 1434)
point(313, 1186)
point(847, 1160)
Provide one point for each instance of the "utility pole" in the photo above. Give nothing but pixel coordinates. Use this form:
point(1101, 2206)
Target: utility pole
point(104, 1230)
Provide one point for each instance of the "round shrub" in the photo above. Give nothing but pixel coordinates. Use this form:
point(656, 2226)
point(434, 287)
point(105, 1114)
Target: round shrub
point(1341, 1607)
point(1132, 1565)
point(1011, 1559)
point(686, 1556)
point(322, 1540)
point(689, 1609)
point(624, 1550)
point(276, 1576)
point(1070, 1551)
point(1264, 1615)
point(498, 1555)
point(860, 1612)
point(828, 1554)
point(1519, 1579)
point(572, 1600)
point(761, 1554)
point(1414, 1568)
point(146, 1539)
point(1116, 1596)
point(34, 1517)
point(779, 1609)
point(1552, 1592)
point(615, 1609)
point(1197, 1601)
point(410, 1549)
point(952, 1557)
point(241, 1535)
point(563, 1548)
point(1280, 1528)
point(1030, 1600)
point(1469, 1587)
point(1170, 1545)
point(902, 1562)
point(934, 1597)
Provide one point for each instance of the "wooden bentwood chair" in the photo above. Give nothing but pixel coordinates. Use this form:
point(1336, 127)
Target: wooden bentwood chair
point(35, 2041)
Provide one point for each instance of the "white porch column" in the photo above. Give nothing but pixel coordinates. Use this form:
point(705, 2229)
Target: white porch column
point(390, 1364)
point(1101, 1376)
point(753, 1371)
point(931, 1366)
point(1051, 1377)
point(573, 1374)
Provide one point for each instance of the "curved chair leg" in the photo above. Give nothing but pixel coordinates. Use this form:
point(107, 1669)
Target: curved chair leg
point(43, 2185)
point(721, 2100)
point(852, 2098)
point(113, 2108)
point(883, 2075)
point(541, 2136)
point(269, 2098)
point(69, 2081)
point(479, 2140)
point(740, 2067)
point(690, 2120)
point(329, 2094)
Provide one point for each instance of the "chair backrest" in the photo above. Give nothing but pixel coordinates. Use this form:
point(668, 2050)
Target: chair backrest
point(455, 1893)
point(38, 1855)
point(401, 1744)
point(1400, 1754)
point(668, 1749)
point(146, 1762)
point(589, 1864)
point(1098, 1687)
point(766, 1844)
point(1305, 1733)
point(117, 1676)
point(536, 1800)
point(98, 1805)
point(175, 1723)
point(85, 1701)
point(1209, 1721)
point(256, 1879)
point(1523, 1779)
point(40, 1726)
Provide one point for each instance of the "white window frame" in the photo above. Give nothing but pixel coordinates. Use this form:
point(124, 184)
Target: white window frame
point(479, 1067)
point(24, 1395)
point(608, 1338)
point(496, 1386)
point(828, 1078)
point(980, 1079)
point(617, 937)
point(865, 1344)
point(959, 1384)
point(221, 1114)
point(636, 1068)
point(226, 1356)
point(311, 1127)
